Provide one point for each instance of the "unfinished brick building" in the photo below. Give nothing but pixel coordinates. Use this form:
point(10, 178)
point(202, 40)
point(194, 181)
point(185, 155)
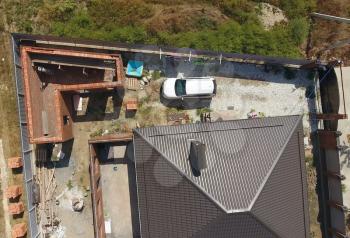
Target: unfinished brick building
point(52, 77)
point(95, 178)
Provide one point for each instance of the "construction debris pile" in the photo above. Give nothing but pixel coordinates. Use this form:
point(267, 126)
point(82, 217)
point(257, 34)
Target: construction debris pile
point(44, 193)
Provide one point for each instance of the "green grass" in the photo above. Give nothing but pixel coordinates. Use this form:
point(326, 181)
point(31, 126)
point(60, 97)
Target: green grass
point(138, 22)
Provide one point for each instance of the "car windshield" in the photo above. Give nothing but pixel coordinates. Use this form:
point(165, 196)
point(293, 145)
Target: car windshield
point(180, 87)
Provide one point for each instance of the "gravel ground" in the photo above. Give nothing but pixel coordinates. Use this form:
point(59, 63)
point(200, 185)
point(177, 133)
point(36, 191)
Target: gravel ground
point(237, 97)
point(344, 127)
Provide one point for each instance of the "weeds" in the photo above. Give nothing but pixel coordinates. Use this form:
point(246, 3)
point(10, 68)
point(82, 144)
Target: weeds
point(200, 111)
point(156, 75)
point(343, 188)
point(69, 184)
point(236, 30)
point(96, 133)
point(309, 160)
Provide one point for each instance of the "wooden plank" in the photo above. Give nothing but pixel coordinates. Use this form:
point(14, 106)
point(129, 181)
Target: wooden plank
point(331, 117)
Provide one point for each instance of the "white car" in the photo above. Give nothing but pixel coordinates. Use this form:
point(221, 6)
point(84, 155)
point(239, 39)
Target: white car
point(196, 87)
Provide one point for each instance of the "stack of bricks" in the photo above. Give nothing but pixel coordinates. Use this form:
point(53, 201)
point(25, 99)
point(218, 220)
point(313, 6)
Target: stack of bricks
point(19, 230)
point(15, 162)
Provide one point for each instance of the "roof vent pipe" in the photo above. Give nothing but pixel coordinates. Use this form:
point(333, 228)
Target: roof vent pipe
point(197, 157)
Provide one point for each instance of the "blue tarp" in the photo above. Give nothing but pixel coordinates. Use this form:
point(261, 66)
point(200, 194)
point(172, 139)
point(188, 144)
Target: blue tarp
point(135, 68)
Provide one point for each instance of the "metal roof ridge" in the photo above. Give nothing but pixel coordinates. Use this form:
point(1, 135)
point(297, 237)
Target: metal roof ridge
point(215, 201)
point(262, 186)
point(263, 224)
point(216, 122)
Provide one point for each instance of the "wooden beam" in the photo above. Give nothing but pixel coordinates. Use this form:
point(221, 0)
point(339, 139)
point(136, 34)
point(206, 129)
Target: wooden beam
point(123, 137)
point(335, 175)
point(338, 206)
point(337, 233)
point(331, 116)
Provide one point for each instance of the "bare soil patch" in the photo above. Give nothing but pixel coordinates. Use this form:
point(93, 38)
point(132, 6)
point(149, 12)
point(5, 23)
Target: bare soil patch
point(185, 18)
point(270, 15)
point(325, 33)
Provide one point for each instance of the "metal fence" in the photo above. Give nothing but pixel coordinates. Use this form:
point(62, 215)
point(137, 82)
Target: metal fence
point(27, 152)
point(157, 50)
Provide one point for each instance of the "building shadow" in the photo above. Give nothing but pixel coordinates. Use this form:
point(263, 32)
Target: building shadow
point(330, 102)
point(130, 113)
point(133, 191)
point(67, 150)
point(186, 103)
point(18, 216)
point(97, 106)
point(17, 170)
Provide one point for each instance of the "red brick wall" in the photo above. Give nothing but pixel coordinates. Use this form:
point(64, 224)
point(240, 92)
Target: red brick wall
point(96, 194)
point(35, 98)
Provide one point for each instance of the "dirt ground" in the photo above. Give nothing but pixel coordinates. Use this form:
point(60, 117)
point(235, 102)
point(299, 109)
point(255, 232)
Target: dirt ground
point(243, 95)
point(116, 199)
point(325, 33)
point(271, 15)
point(236, 97)
point(72, 175)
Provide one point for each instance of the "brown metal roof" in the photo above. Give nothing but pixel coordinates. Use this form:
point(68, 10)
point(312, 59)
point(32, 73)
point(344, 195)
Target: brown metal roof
point(254, 166)
point(240, 155)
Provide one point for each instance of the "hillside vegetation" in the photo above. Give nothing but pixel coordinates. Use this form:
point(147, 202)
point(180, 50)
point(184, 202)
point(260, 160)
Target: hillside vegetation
point(220, 25)
point(326, 33)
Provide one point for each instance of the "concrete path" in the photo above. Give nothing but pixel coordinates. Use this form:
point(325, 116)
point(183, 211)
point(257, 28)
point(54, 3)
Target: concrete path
point(4, 185)
point(344, 127)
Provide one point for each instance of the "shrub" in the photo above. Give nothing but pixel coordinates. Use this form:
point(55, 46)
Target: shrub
point(156, 75)
point(310, 160)
point(299, 29)
point(297, 8)
point(124, 21)
point(204, 23)
point(119, 12)
point(200, 111)
point(58, 10)
point(69, 184)
point(240, 10)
